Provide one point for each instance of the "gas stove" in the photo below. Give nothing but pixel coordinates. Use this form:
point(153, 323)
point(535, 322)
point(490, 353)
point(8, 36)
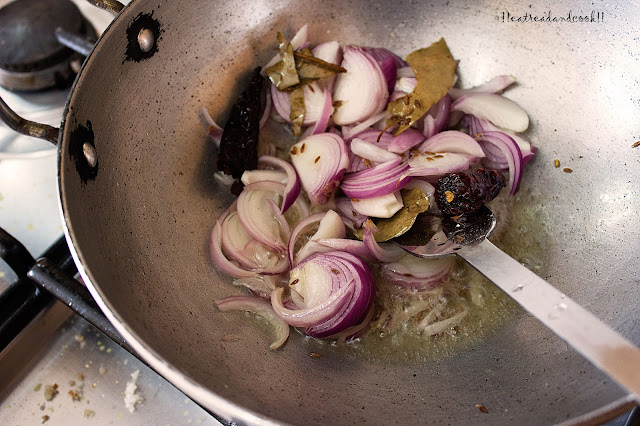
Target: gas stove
point(56, 367)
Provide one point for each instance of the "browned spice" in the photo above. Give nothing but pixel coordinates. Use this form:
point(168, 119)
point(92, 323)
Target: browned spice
point(335, 271)
point(315, 355)
point(294, 150)
point(302, 148)
point(367, 163)
point(482, 408)
point(50, 391)
point(75, 396)
point(317, 159)
point(635, 145)
point(449, 196)
point(556, 163)
point(567, 170)
point(294, 282)
point(337, 104)
point(45, 418)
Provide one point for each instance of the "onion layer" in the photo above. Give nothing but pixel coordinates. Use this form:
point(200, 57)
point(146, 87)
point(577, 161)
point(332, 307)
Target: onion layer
point(377, 181)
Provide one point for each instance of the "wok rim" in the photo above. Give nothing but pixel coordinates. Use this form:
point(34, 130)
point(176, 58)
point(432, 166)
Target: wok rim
point(218, 405)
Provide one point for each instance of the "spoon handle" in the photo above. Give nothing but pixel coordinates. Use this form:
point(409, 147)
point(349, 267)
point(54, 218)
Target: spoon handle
point(598, 343)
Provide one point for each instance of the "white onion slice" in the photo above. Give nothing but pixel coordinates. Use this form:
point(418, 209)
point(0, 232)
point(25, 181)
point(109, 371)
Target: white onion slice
point(320, 161)
point(215, 249)
point(361, 91)
point(292, 188)
point(383, 252)
point(501, 111)
point(384, 206)
point(253, 176)
point(260, 307)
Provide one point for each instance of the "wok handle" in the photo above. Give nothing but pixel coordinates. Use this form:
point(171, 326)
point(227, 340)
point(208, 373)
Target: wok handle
point(112, 6)
point(27, 127)
point(590, 337)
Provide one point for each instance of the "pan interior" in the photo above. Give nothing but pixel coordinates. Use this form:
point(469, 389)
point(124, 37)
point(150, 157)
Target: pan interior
point(141, 225)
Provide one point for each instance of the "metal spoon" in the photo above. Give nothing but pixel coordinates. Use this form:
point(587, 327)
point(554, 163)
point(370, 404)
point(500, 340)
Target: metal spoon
point(466, 236)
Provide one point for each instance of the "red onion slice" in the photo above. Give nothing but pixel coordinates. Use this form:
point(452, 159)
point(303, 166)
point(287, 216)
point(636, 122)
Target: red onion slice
point(440, 112)
point(384, 206)
point(258, 217)
point(260, 307)
point(389, 63)
point(377, 181)
point(355, 247)
point(350, 216)
point(329, 225)
point(361, 91)
point(215, 249)
point(477, 125)
point(501, 111)
point(406, 140)
point(406, 71)
point(512, 153)
point(253, 176)
point(370, 151)
point(350, 132)
point(320, 161)
point(316, 314)
point(214, 132)
point(331, 52)
point(452, 141)
point(495, 85)
point(362, 299)
point(437, 164)
point(405, 85)
point(418, 274)
point(292, 188)
point(382, 252)
point(429, 126)
point(260, 285)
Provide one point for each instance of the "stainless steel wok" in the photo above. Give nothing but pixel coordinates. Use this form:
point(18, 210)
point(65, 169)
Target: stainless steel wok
point(139, 220)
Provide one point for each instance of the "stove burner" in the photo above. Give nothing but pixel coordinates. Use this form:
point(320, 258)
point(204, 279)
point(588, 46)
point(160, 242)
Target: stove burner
point(31, 58)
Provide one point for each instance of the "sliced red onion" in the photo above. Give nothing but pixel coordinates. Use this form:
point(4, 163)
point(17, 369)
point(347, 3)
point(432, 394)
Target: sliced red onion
point(258, 217)
point(320, 161)
point(389, 63)
point(440, 112)
point(292, 189)
point(249, 253)
point(260, 307)
point(424, 186)
point(406, 71)
point(416, 273)
point(215, 249)
point(329, 225)
point(438, 164)
point(382, 252)
point(384, 206)
point(361, 301)
point(298, 211)
point(429, 126)
point(495, 85)
point(452, 141)
point(316, 314)
point(260, 285)
point(267, 110)
point(252, 176)
point(357, 330)
point(406, 140)
point(370, 151)
point(301, 37)
point(350, 132)
point(350, 216)
point(379, 138)
point(379, 180)
point(501, 111)
point(314, 103)
point(214, 132)
point(512, 153)
point(361, 91)
point(355, 247)
point(477, 125)
point(405, 84)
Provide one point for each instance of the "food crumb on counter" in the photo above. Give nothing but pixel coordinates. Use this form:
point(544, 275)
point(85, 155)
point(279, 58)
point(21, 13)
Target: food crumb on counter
point(315, 355)
point(89, 413)
point(567, 170)
point(482, 408)
point(556, 163)
point(131, 398)
point(636, 144)
point(102, 370)
point(38, 387)
point(50, 391)
point(80, 376)
point(45, 418)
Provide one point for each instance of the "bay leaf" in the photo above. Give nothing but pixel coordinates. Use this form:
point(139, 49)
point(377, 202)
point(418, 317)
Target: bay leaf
point(415, 202)
point(296, 100)
point(434, 68)
point(283, 74)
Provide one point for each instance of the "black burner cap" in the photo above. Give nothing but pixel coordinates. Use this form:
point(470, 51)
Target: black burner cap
point(27, 33)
